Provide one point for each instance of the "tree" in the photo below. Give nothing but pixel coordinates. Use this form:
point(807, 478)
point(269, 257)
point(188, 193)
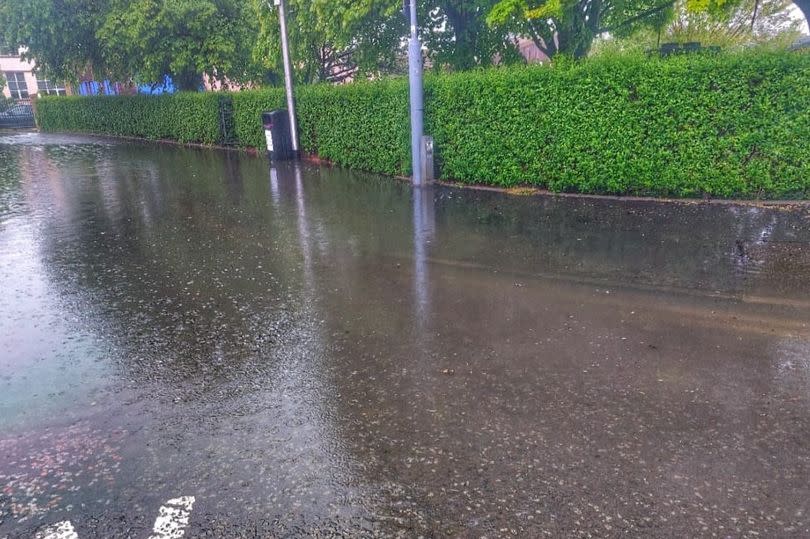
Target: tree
point(570, 26)
point(141, 39)
point(751, 22)
point(458, 36)
point(184, 38)
point(331, 40)
point(748, 23)
point(58, 35)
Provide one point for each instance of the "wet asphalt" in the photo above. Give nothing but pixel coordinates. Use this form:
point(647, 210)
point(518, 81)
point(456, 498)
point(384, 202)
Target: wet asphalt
point(310, 351)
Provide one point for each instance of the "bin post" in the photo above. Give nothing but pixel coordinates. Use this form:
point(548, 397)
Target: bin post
point(276, 126)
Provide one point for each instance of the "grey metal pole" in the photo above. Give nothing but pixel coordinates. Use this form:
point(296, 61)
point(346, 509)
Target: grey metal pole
point(288, 85)
point(417, 98)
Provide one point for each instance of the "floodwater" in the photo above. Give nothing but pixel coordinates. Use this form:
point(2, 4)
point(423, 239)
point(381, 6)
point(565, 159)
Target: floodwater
point(312, 351)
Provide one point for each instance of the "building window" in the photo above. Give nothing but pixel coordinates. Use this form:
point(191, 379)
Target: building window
point(46, 87)
point(15, 80)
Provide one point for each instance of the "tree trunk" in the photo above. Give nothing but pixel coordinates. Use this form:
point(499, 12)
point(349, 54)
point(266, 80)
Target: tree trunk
point(544, 42)
point(188, 81)
point(464, 47)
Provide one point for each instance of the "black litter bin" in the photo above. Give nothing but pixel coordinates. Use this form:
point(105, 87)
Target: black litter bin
point(277, 134)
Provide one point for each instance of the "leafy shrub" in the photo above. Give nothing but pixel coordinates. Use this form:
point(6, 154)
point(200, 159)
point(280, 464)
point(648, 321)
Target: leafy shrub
point(184, 117)
point(722, 125)
point(247, 110)
point(729, 125)
point(363, 125)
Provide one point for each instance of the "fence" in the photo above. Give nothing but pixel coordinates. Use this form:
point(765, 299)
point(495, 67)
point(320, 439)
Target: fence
point(18, 114)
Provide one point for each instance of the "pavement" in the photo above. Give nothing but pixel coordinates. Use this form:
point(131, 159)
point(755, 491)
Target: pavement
point(196, 344)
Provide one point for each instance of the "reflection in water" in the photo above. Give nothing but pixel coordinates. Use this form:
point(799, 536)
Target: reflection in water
point(277, 346)
point(274, 184)
point(39, 340)
point(424, 227)
point(792, 372)
point(232, 175)
point(303, 233)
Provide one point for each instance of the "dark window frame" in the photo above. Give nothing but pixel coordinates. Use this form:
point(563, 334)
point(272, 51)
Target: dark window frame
point(16, 84)
point(45, 87)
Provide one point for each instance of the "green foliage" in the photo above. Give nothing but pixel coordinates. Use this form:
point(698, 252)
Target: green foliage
point(727, 125)
point(59, 34)
point(569, 27)
point(742, 24)
point(184, 117)
point(3, 100)
point(138, 39)
point(363, 125)
point(457, 36)
point(247, 110)
point(745, 23)
point(332, 38)
point(721, 125)
point(149, 38)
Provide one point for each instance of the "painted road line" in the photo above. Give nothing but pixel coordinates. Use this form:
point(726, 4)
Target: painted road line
point(60, 530)
point(172, 518)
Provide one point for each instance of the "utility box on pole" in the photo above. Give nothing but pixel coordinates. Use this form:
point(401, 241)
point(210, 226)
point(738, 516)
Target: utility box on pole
point(276, 125)
point(428, 168)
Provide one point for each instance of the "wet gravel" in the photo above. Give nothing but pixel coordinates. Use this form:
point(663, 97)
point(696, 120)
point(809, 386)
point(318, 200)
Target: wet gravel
point(315, 352)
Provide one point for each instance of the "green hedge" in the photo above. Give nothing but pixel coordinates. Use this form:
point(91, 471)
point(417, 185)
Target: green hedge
point(185, 117)
point(363, 125)
point(247, 109)
point(723, 125)
point(734, 125)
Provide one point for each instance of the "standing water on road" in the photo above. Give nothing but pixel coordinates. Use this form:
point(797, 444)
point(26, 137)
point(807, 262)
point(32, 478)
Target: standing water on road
point(306, 350)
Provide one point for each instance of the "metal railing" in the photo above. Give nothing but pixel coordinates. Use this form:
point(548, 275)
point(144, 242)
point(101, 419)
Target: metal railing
point(17, 114)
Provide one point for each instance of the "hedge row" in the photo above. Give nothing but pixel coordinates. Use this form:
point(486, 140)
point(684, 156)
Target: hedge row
point(722, 125)
point(247, 111)
point(186, 117)
point(687, 126)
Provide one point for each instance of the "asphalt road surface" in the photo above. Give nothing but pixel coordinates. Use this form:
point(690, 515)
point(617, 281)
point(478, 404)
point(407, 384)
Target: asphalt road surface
point(193, 344)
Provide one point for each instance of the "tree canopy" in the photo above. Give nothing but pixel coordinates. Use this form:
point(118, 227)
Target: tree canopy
point(139, 39)
point(571, 26)
point(335, 38)
point(185, 38)
point(331, 40)
point(60, 35)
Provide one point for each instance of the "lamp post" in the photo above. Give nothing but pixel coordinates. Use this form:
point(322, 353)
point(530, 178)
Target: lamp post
point(416, 95)
point(288, 85)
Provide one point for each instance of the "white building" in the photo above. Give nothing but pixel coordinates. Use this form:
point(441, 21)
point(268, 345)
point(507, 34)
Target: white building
point(22, 81)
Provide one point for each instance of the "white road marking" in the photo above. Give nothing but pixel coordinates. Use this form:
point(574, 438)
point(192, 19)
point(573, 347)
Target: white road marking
point(173, 518)
point(171, 522)
point(60, 530)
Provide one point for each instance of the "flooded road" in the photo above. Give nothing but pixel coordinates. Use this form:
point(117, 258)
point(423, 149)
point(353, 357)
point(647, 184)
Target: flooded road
point(311, 351)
